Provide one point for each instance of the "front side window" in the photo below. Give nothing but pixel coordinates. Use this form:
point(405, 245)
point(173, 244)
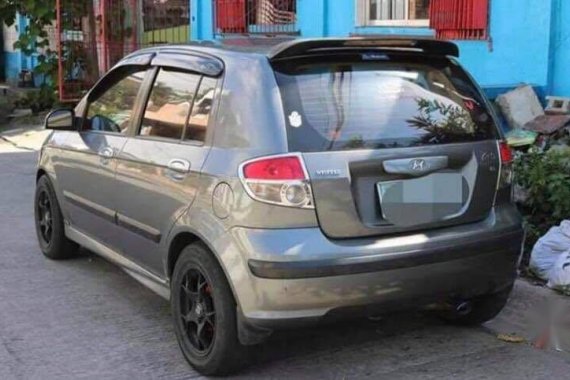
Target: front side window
point(169, 104)
point(394, 12)
point(112, 110)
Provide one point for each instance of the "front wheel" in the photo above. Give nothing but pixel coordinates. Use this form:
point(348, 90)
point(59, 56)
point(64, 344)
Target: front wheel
point(204, 312)
point(50, 227)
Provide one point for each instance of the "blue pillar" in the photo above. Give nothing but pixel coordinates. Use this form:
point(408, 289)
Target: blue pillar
point(340, 18)
point(22, 22)
point(311, 17)
point(559, 59)
point(193, 20)
point(202, 20)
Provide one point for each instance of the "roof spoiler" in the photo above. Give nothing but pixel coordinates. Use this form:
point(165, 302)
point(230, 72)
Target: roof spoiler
point(300, 47)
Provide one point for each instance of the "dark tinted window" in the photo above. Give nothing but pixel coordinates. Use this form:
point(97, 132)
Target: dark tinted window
point(374, 101)
point(169, 104)
point(201, 109)
point(112, 110)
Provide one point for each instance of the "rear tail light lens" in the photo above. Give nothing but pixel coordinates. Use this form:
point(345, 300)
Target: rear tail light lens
point(274, 169)
point(507, 156)
point(278, 180)
point(507, 159)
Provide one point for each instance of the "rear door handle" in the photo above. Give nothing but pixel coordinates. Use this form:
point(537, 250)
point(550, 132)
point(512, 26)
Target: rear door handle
point(178, 168)
point(106, 153)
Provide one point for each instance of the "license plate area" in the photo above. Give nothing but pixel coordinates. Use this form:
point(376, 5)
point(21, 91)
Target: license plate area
point(417, 201)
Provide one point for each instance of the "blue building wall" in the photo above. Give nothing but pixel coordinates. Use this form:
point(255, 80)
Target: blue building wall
point(530, 39)
point(518, 51)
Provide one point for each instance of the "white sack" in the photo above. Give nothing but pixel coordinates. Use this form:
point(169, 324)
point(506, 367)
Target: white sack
point(549, 248)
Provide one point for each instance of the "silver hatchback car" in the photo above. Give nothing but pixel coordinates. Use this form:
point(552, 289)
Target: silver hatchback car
point(262, 187)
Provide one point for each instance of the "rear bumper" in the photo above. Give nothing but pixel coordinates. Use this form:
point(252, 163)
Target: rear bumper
point(283, 277)
point(497, 242)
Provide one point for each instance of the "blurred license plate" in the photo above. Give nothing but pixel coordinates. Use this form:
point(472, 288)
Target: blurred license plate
point(421, 200)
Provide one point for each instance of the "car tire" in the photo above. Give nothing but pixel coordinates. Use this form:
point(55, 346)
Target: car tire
point(482, 309)
point(204, 312)
point(50, 228)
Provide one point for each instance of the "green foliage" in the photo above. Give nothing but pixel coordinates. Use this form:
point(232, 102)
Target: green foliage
point(38, 100)
point(34, 40)
point(443, 123)
point(39, 13)
point(546, 179)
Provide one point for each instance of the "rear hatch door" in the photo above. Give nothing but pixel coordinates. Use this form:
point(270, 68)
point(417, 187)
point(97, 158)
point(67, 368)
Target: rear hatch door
point(395, 143)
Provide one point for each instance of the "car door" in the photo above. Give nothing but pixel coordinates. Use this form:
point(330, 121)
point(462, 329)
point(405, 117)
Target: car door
point(87, 169)
point(159, 167)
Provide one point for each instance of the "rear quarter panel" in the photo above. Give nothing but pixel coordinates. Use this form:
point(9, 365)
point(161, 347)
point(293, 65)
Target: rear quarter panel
point(249, 123)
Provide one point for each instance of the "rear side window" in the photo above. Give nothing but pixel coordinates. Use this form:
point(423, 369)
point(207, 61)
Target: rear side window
point(380, 101)
point(169, 104)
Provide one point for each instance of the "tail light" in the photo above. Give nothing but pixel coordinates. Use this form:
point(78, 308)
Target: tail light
point(507, 155)
point(507, 159)
point(279, 180)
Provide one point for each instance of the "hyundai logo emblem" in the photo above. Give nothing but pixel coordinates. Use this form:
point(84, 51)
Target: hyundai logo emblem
point(419, 165)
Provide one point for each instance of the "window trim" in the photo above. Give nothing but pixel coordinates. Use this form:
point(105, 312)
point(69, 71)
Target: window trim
point(363, 18)
point(423, 23)
point(189, 116)
point(210, 116)
point(152, 73)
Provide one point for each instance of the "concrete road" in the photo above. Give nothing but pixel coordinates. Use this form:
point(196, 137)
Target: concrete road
point(84, 318)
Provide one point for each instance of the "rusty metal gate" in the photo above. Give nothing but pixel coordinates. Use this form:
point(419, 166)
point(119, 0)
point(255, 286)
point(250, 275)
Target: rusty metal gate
point(92, 35)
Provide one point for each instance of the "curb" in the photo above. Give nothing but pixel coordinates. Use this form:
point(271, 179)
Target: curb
point(16, 145)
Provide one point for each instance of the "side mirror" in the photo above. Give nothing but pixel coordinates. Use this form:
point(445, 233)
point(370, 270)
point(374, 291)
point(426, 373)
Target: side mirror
point(61, 120)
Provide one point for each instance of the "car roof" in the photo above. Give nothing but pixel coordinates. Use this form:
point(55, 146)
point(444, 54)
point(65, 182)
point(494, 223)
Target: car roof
point(283, 48)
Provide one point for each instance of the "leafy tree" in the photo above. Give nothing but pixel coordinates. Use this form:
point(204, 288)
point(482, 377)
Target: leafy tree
point(34, 39)
point(39, 13)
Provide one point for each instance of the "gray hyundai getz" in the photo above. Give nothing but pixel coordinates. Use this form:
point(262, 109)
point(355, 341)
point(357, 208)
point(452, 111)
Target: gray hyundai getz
point(267, 186)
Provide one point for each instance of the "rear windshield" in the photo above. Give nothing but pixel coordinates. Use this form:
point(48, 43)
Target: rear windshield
point(379, 101)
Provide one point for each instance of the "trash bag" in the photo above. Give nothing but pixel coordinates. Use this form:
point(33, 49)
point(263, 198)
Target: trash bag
point(549, 248)
point(559, 276)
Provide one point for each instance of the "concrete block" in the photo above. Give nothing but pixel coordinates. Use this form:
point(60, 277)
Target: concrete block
point(557, 105)
point(520, 106)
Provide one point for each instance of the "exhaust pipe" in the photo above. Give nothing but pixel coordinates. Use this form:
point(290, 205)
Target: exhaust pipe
point(463, 308)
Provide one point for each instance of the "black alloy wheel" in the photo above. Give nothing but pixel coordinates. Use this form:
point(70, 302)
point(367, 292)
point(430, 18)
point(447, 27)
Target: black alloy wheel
point(44, 217)
point(204, 313)
point(50, 224)
point(198, 313)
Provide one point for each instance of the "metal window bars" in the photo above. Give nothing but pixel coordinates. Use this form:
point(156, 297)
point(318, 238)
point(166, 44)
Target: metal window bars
point(246, 17)
point(383, 10)
point(460, 19)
